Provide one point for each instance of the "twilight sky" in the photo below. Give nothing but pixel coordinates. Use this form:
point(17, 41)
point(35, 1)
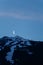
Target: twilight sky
point(25, 17)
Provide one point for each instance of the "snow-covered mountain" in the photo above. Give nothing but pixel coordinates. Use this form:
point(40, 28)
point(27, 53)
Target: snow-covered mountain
point(8, 46)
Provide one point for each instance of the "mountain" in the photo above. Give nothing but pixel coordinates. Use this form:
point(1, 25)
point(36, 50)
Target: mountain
point(19, 51)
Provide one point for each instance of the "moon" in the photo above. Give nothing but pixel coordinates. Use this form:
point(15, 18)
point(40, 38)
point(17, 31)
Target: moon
point(13, 32)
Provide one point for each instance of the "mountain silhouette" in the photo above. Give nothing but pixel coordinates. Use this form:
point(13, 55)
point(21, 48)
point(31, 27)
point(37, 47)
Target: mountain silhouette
point(19, 51)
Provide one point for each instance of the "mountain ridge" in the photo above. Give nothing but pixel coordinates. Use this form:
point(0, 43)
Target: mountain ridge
point(15, 51)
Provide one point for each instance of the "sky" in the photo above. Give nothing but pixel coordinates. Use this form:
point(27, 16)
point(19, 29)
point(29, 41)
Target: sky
point(24, 17)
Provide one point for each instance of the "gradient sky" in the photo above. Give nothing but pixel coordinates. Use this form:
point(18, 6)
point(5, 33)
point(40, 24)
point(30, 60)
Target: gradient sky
point(25, 17)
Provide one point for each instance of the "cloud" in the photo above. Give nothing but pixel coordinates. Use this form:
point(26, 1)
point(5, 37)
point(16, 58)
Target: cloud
point(22, 16)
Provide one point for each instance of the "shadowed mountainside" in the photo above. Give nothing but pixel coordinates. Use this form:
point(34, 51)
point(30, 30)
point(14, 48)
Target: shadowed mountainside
point(19, 51)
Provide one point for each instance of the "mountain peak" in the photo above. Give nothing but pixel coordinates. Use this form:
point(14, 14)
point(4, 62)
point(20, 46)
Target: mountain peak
point(18, 50)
